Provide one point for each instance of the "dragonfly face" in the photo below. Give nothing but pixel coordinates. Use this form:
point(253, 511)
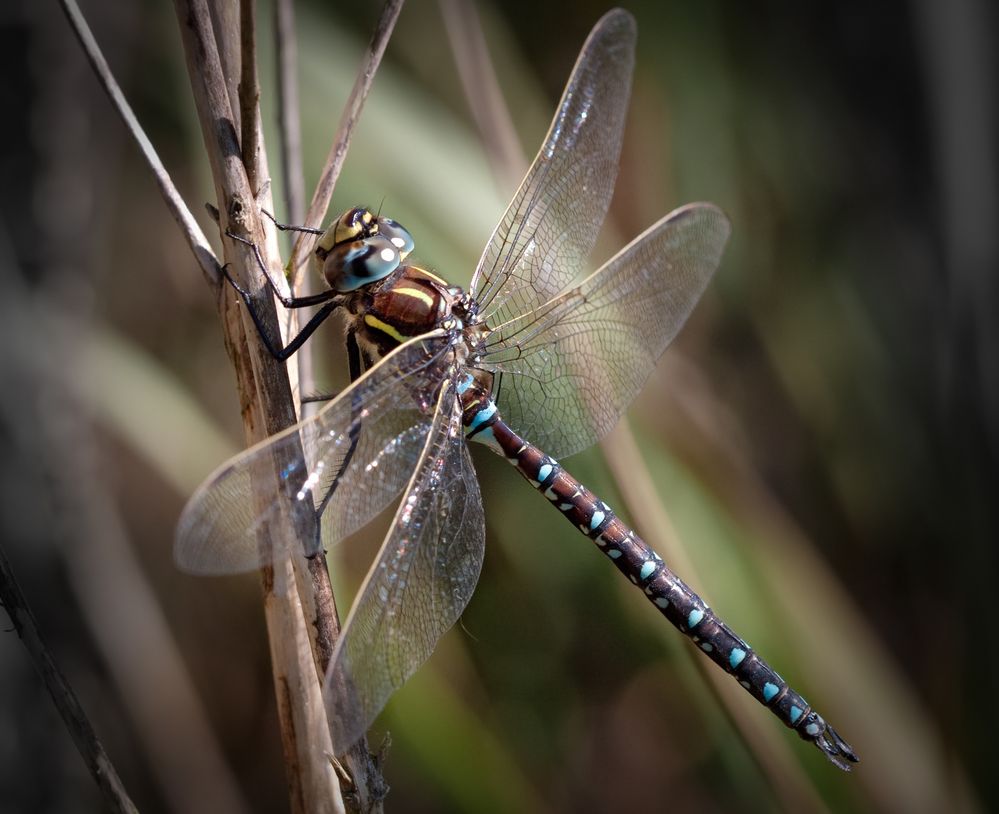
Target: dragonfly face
point(558, 364)
point(360, 249)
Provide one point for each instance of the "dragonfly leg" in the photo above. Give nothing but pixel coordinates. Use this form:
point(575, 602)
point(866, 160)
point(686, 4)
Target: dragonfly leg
point(288, 227)
point(286, 301)
point(329, 300)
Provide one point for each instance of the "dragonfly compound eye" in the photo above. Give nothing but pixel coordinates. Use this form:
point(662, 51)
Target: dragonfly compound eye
point(349, 266)
point(397, 235)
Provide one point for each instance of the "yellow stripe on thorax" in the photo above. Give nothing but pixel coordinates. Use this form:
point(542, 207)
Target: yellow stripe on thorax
point(431, 275)
point(384, 327)
point(422, 296)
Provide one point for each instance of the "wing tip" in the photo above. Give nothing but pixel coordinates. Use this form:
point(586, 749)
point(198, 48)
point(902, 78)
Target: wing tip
point(704, 209)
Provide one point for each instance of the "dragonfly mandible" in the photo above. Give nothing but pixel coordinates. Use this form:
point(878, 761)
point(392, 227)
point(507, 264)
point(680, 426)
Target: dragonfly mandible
point(528, 362)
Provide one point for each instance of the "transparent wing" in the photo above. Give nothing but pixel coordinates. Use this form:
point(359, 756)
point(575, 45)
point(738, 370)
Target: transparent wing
point(419, 584)
point(576, 363)
point(544, 237)
point(224, 528)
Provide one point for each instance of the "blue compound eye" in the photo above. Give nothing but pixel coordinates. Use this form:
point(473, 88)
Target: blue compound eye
point(350, 266)
point(397, 235)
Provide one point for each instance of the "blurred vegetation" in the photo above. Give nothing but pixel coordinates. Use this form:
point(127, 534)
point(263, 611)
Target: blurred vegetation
point(823, 435)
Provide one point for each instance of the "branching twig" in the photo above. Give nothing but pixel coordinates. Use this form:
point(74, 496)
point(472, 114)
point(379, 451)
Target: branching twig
point(345, 129)
point(231, 129)
point(62, 694)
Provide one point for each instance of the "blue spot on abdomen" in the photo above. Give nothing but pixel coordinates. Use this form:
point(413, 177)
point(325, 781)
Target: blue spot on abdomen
point(482, 417)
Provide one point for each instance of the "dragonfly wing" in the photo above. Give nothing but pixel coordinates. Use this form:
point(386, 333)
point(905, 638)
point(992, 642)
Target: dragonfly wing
point(368, 439)
point(576, 363)
point(420, 582)
point(544, 237)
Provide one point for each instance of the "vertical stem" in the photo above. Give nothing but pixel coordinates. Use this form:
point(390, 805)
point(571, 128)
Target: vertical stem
point(290, 134)
point(289, 112)
point(267, 408)
point(249, 93)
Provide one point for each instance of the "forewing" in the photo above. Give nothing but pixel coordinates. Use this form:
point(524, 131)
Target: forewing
point(571, 368)
point(541, 243)
point(225, 526)
point(420, 582)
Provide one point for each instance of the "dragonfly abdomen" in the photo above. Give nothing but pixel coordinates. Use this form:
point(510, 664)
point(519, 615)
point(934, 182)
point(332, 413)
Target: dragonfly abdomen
point(634, 558)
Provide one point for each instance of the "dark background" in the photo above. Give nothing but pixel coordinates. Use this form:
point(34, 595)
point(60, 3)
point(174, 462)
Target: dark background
point(823, 435)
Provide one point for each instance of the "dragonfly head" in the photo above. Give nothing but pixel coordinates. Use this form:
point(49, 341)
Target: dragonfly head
point(360, 248)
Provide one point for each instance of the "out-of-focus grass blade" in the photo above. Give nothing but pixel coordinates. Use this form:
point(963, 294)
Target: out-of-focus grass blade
point(146, 406)
point(801, 620)
point(457, 749)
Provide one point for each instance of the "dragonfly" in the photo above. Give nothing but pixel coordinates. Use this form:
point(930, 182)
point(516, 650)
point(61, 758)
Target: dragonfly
point(530, 362)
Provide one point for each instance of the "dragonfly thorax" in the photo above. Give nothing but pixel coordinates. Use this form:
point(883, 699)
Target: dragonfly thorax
point(409, 302)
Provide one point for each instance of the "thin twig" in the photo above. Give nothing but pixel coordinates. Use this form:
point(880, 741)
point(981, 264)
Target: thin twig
point(290, 134)
point(196, 239)
point(345, 130)
point(65, 700)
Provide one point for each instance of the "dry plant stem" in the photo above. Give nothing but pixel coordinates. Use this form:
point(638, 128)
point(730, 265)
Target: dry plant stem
point(289, 115)
point(348, 119)
point(196, 239)
point(63, 697)
point(290, 135)
point(315, 589)
point(482, 91)
point(249, 93)
point(267, 405)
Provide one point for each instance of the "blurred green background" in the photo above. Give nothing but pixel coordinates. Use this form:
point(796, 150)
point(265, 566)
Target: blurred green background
point(823, 435)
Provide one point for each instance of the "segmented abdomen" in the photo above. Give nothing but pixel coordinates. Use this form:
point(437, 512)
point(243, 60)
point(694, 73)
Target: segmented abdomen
point(646, 569)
